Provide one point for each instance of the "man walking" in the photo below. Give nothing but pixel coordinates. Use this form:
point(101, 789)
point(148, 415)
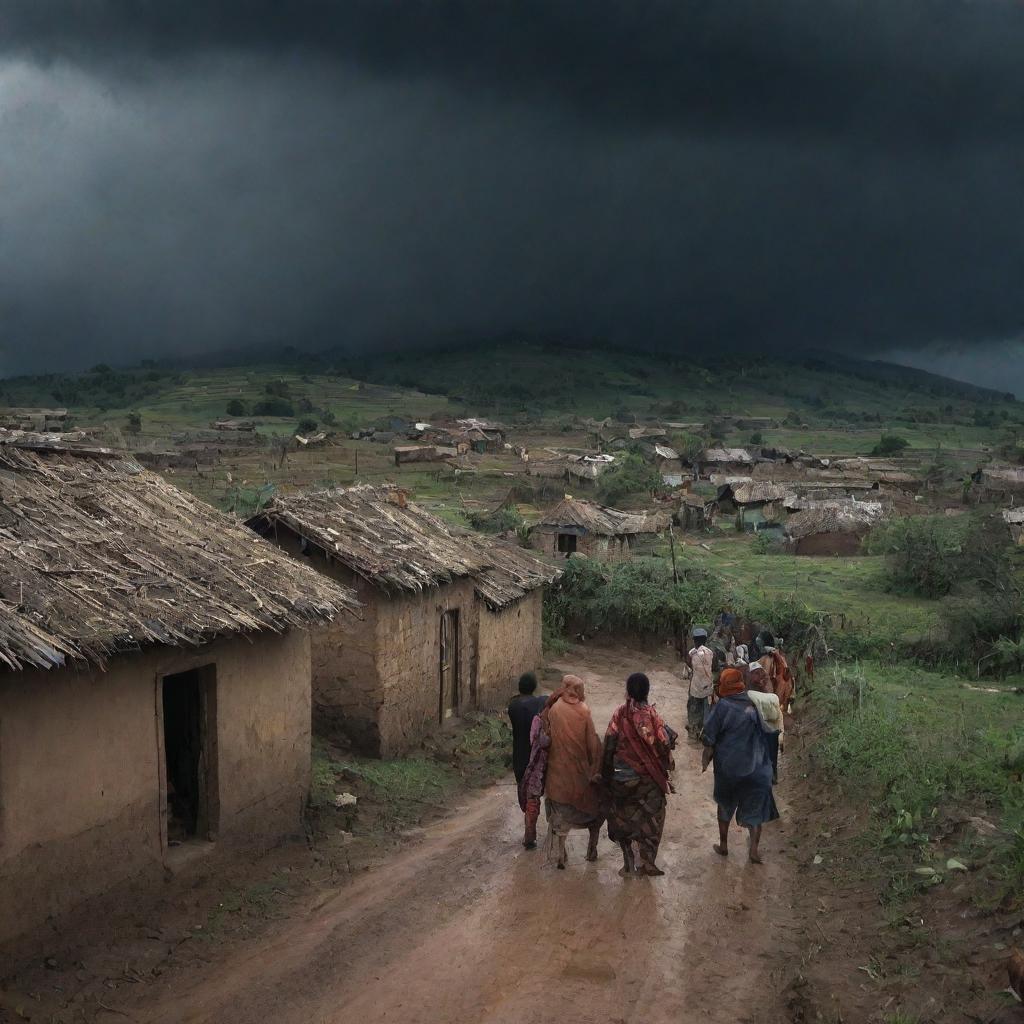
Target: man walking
point(522, 710)
point(701, 660)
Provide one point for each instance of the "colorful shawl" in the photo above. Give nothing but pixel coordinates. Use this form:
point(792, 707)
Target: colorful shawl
point(642, 741)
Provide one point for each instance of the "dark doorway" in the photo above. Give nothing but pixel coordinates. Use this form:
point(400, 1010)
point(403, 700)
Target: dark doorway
point(189, 753)
point(449, 664)
point(567, 543)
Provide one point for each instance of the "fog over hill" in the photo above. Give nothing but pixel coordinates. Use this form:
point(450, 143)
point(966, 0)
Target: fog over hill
point(709, 176)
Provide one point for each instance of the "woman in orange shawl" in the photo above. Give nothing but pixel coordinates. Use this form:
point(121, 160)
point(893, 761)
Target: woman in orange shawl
point(574, 762)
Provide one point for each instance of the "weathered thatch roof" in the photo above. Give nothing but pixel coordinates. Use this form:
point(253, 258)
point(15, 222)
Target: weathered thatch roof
point(754, 492)
point(605, 522)
point(835, 517)
point(399, 546)
point(99, 556)
point(738, 456)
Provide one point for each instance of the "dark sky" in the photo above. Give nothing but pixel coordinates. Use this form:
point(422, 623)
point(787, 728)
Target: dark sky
point(738, 174)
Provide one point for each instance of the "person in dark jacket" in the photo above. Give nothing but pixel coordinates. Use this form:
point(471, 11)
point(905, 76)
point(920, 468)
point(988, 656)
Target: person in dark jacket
point(522, 709)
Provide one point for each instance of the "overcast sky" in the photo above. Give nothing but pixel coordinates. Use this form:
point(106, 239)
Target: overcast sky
point(707, 175)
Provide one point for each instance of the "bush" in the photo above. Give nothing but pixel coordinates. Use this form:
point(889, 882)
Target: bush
point(133, 424)
point(277, 388)
point(635, 597)
point(757, 437)
point(306, 425)
point(932, 555)
point(236, 407)
point(890, 444)
point(503, 520)
point(627, 477)
point(273, 407)
point(689, 446)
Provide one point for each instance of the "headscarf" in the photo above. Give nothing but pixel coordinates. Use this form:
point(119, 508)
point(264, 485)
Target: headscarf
point(730, 682)
point(571, 691)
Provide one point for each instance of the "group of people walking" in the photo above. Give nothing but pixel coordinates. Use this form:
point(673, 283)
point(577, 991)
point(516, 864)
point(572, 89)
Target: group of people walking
point(624, 779)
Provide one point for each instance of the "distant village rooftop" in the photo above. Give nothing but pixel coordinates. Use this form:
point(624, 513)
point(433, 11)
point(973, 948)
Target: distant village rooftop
point(99, 556)
point(607, 522)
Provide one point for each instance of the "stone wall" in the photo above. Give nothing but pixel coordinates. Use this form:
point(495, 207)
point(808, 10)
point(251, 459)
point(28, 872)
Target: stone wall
point(509, 644)
point(82, 780)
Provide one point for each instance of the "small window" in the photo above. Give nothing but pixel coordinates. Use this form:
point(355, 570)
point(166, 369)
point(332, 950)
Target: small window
point(567, 543)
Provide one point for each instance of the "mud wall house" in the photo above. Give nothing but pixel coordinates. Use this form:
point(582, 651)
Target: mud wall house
point(754, 503)
point(726, 462)
point(449, 619)
point(1014, 519)
point(1002, 485)
point(575, 526)
point(832, 528)
point(154, 680)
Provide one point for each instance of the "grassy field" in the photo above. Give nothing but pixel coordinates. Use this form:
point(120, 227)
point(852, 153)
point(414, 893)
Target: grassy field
point(851, 590)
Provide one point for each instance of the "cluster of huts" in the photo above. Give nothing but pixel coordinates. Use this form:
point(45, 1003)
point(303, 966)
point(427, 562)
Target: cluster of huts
point(161, 663)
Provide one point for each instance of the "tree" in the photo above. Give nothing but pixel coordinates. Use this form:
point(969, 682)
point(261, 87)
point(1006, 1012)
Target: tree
point(134, 423)
point(273, 407)
point(890, 444)
point(236, 407)
point(627, 477)
point(756, 437)
point(306, 424)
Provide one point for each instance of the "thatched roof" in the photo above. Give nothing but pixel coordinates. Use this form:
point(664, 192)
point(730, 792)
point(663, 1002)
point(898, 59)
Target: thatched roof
point(605, 522)
point(725, 456)
point(99, 556)
point(835, 517)
point(754, 492)
point(399, 546)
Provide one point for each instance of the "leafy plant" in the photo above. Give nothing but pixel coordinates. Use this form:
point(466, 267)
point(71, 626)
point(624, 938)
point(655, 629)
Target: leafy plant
point(628, 477)
point(890, 444)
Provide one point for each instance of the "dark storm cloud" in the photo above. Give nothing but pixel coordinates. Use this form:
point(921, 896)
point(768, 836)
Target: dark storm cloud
point(194, 175)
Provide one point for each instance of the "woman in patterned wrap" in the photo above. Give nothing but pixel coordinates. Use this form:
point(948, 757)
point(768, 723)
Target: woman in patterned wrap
point(637, 760)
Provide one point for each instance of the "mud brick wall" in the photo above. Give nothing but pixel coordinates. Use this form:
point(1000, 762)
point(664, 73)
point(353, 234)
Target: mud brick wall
point(509, 644)
point(606, 549)
point(82, 778)
point(409, 644)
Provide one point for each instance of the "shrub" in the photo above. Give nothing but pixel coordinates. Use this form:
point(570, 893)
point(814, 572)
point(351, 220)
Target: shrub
point(890, 444)
point(503, 520)
point(273, 407)
point(133, 424)
point(306, 424)
point(689, 446)
point(756, 437)
point(627, 477)
point(636, 597)
point(236, 407)
point(277, 388)
point(933, 555)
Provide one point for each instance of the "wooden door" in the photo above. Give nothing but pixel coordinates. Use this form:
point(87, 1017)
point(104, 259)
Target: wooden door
point(449, 702)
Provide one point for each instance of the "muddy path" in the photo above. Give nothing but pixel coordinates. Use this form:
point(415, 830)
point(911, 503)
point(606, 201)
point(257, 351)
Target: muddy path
point(465, 925)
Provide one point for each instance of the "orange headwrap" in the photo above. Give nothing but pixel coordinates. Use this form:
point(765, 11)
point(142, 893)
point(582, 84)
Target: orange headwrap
point(571, 691)
point(730, 682)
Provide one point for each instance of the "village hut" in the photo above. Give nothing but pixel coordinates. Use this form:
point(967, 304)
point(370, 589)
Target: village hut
point(154, 679)
point(695, 512)
point(1002, 485)
point(34, 420)
point(1014, 519)
point(755, 503)
point(575, 526)
point(832, 528)
point(726, 462)
point(450, 618)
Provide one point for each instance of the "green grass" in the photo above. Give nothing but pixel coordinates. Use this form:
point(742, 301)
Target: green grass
point(849, 590)
point(925, 750)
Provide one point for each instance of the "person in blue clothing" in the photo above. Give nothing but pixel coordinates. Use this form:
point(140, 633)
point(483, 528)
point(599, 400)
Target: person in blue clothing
point(737, 740)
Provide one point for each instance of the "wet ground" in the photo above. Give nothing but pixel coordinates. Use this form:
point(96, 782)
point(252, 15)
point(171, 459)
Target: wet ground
point(467, 926)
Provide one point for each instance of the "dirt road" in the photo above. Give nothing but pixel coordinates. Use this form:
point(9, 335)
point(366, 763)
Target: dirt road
point(466, 926)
